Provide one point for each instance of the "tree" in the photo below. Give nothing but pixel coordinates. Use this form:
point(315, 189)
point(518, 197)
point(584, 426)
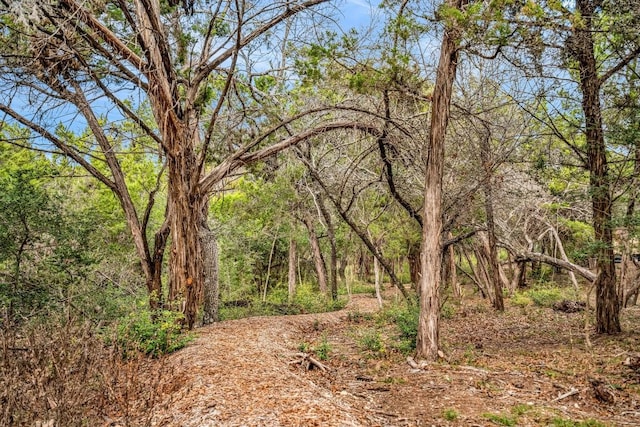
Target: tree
point(111, 61)
point(595, 40)
point(427, 344)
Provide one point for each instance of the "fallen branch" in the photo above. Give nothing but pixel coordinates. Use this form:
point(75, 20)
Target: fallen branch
point(567, 394)
point(307, 361)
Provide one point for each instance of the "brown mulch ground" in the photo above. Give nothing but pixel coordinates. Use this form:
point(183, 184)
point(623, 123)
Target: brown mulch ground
point(528, 366)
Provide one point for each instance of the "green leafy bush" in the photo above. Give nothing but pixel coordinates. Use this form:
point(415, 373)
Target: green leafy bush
point(153, 335)
point(371, 340)
point(448, 311)
point(545, 297)
point(521, 299)
point(405, 317)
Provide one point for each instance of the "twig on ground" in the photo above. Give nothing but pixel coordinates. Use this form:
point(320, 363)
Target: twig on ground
point(567, 394)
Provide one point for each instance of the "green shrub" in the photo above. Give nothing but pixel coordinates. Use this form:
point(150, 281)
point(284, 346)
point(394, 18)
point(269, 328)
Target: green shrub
point(151, 335)
point(323, 349)
point(545, 297)
point(521, 299)
point(405, 317)
point(311, 301)
point(448, 311)
point(450, 414)
point(371, 340)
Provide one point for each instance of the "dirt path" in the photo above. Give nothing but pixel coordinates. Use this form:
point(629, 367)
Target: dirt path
point(529, 366)
point(237, 373)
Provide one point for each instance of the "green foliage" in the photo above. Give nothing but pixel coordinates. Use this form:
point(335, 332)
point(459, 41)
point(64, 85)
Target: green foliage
point(562, 422)
point(371, 340)
point(447, 311)
point(544, 296)
point(405, 317)
point(44, 245)
point(307, 300)
point(153, 334)
point(304, 347)
point(450, 414)
point(521, 299)
point(520, 409)
point(499, 419)
point(323, 348)
point(358, 287)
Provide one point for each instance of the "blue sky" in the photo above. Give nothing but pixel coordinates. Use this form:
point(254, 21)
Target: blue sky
point(357, 13)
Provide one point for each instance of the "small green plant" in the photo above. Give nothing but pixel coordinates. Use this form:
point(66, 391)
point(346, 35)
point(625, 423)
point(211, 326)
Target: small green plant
point(502, 420)
point(561, 422)
point(304, 347)
point(520, 409)
point(405, 318)
point(358, 317)
point(153, 334)
point(323, 349)
point(371, 340)
point(450, 414)
point(448, 311)
point(469, 356)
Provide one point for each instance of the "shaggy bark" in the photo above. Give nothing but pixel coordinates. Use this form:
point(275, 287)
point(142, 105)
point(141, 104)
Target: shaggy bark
point(427, 344)
point(607, 303)
point(211, 304)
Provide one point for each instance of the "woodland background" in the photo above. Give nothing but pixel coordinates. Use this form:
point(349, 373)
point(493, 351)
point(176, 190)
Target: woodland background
point(165, 165)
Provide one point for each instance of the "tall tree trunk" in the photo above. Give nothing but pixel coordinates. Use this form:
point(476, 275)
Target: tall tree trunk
point(333, 258)
point(187, 207)
point(211, 290)
point(292, 278)
point(318, 259)
point(607, 303)
point(377, 274)
point(519, 276)
point(427, 344)
point(186, 264)
point(342, 269)
point(492, 249)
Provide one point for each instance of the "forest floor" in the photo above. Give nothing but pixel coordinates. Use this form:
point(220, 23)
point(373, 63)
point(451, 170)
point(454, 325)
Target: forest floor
point(528, 366)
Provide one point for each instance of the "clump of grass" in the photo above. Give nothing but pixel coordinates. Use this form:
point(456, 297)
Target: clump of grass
point(561, 422)
point(500, 419)
point(450, 414)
